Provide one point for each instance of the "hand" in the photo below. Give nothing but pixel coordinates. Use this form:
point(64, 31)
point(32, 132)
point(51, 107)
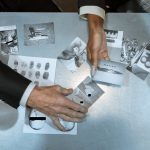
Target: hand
point(97, 46)
point(53, 102)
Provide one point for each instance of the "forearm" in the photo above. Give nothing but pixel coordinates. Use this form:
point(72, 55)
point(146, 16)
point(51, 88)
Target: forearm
point(95, 23)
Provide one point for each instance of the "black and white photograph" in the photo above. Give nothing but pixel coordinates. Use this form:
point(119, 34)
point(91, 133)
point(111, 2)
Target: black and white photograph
point(144, 61)
point(129, 50)
point(137, 71)
point(110, 72)
point(114, 38)
point(33, 68)
point(8, 40)
point(36, 34)
point(86, 93)
point(139, 65)
point(74, 55)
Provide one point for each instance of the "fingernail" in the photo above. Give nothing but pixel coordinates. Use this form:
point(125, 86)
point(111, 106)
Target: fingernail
point(93, 71)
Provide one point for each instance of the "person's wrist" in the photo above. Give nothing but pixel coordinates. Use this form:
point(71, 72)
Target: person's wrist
point(95, 24)
point(32, 97)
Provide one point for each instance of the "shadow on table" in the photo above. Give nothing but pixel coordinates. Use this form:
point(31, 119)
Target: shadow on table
point(109, 133)
point(8, 116)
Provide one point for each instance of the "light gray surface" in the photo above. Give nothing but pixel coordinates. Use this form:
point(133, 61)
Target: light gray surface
point(118, 121)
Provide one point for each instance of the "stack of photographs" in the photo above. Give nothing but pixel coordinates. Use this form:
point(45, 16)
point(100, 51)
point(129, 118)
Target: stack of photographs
point(41, 71)
point(74, 55)
point(114, 38)
point(8, 40)
point(140, 64)
point(110, 72)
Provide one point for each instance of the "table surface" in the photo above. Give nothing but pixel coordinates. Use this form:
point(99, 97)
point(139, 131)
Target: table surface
point(119, 120)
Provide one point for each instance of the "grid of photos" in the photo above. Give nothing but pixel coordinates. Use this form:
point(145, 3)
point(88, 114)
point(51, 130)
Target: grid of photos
point(86, 93)
point(8, 40)
point(36, 34)
point(110, 72)
point(74, 55)
point(114, 38)
point(39, 70)
point(140, 64)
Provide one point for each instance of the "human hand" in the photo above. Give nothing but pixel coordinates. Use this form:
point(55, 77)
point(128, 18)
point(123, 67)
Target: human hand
point(53, 102)
point(97, 46)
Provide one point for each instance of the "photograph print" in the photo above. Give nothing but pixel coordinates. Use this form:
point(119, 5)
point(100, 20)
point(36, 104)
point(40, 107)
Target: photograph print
point(86, 93)
point(114, 38)
point(8, 40)
point(144, 61)
point(36, 34)
point(74, 55)
point(110, 73)
point(140, 63)
point(137, 71)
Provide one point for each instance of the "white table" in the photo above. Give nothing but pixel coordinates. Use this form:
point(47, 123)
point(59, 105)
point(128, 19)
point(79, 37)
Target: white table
point(119, 120)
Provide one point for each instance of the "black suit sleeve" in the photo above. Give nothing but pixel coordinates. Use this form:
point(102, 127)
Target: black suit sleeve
point(100, 3)
point(12, 85)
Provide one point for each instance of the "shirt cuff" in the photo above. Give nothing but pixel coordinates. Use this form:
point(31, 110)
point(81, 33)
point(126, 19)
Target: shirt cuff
point(26, 94)
point(95, 10)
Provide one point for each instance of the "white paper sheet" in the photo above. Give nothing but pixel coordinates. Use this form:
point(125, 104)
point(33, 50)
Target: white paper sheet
point(110, 72)
point(39, 70)
point(114, 38)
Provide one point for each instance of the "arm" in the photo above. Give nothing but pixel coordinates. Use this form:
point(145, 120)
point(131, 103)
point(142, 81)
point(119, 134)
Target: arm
point(12, 85)
point(94, 12)
point(50, 100)
point(96, 47)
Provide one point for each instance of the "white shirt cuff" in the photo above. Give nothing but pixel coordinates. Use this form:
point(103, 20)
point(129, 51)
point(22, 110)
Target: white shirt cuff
point(95, 10)
point(26, 94)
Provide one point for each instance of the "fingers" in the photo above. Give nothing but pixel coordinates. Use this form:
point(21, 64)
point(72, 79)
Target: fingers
point(94, 58)
point(65, 102)
point(88, 54)
point(57, 123)
point(70, 119)
point(74, 106)
point(103, 55)
point(69, 112)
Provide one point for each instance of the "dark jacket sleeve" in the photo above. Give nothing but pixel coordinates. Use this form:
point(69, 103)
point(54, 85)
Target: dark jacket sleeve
point(112, 5)
point(12, 85)
point(100, 3)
